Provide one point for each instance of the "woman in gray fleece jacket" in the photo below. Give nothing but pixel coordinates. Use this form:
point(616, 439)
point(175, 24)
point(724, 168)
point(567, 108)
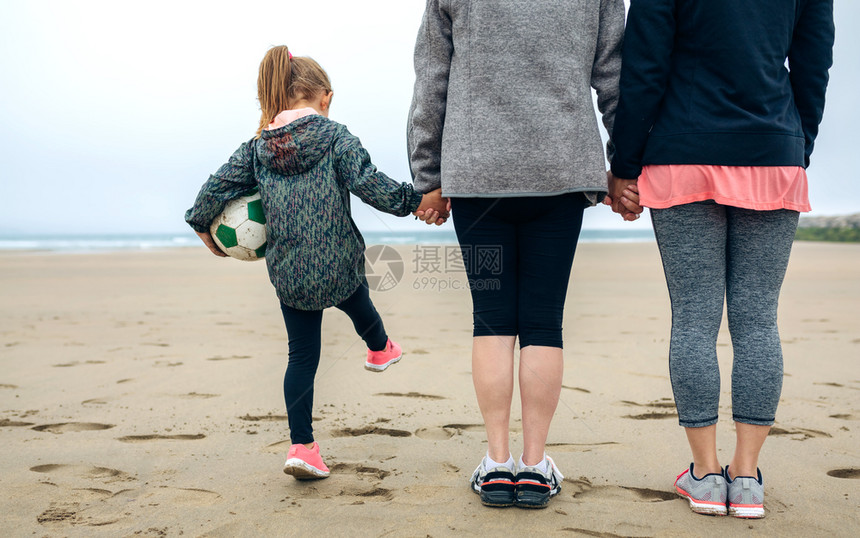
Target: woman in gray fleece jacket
point(502, 120)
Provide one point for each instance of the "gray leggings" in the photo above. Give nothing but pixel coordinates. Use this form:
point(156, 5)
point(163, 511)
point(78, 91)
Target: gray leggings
point(709, 252)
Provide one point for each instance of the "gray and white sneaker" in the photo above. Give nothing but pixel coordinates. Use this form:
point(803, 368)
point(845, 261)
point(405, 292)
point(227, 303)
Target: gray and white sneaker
point(746, 496)
point(707, 495)
point(535, 488)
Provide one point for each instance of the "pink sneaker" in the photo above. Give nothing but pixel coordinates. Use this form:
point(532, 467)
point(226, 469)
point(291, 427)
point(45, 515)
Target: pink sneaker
point(378, 361)
point(304, 463)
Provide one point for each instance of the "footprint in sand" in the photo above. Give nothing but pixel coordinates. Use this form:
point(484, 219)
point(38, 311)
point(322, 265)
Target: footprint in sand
point(798, 434)
point(6, 423)
point(167, 495)
point(263, 418)
point(447, 431)
point(434, 434)
point(355, 483)
point(459, 428)
point(843, 416)
point(362, 470)
point(845, 473)
point(64, 427)
point(156, 437)
point(588, 532)
point(357, 493)
point(77, 509)
point(93, 493)
point(8, 386)
point(582, 487)
point(92, 507)
point(579, 389)
point(369, 430)
point(59, 514)
point(651, 416)
point(417, 395)
point(665, 403)
point(82, 471)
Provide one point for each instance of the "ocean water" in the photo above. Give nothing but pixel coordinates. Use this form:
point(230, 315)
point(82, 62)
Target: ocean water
point(72, 244)
point(97, 243)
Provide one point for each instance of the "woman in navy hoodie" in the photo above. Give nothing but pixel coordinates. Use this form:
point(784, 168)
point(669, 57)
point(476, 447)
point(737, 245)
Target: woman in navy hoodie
point(719, 109)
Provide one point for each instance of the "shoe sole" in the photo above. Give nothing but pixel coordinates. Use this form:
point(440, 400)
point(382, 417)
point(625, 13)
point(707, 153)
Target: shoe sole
point(302, 470)
point(747, 512)
point(703, 507)
point(532, 500)
point(531, 506)
point(495, 499)
point(380, 367)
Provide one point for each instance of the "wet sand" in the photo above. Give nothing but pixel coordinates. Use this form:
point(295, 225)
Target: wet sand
point(141, 395)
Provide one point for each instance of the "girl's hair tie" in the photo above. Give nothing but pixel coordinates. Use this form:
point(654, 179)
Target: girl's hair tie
point(289, 55)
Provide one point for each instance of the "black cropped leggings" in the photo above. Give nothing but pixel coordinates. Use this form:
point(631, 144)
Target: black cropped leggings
point(518, 254)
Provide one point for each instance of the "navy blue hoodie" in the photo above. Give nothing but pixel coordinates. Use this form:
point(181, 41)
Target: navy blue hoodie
point(707, 82)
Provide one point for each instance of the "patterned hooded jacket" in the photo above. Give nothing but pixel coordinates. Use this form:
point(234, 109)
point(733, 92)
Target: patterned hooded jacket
point(305, 172)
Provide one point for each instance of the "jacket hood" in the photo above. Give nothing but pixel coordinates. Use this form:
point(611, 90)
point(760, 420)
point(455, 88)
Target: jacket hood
point(297, 147)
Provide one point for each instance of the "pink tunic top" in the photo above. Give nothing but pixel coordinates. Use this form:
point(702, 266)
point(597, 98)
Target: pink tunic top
point(761, 188)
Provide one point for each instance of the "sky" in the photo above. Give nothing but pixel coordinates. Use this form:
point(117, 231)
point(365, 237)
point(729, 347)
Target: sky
point(112, 114)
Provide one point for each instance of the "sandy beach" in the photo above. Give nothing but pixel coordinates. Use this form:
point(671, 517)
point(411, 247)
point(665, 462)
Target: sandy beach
point(141, 395)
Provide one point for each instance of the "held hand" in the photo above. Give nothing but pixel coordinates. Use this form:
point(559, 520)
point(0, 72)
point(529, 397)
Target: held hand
point(434, 208)
point(623, 197)
point(206, 237)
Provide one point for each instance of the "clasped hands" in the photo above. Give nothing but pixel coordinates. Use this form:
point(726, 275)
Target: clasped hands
point(434, 208)
point(623, 197)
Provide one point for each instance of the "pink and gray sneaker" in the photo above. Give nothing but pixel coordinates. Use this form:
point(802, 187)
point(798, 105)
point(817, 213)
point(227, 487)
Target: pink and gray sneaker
point(304, 463)
point(707, 495)
point(746, 496)
point(378, 361)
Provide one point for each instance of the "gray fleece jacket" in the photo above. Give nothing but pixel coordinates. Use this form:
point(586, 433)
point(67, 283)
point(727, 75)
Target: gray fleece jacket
point(502, 103)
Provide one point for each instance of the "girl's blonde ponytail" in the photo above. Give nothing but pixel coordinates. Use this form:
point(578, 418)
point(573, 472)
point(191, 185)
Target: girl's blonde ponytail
point(283, 80)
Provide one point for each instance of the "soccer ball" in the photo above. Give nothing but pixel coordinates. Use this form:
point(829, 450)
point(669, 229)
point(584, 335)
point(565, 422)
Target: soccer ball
point(240, 230)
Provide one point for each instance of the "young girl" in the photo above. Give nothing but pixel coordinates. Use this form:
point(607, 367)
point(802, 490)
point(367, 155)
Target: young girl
point(305, 166)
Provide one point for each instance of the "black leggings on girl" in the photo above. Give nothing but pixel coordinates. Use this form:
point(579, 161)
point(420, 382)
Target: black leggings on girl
point(304, 333)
